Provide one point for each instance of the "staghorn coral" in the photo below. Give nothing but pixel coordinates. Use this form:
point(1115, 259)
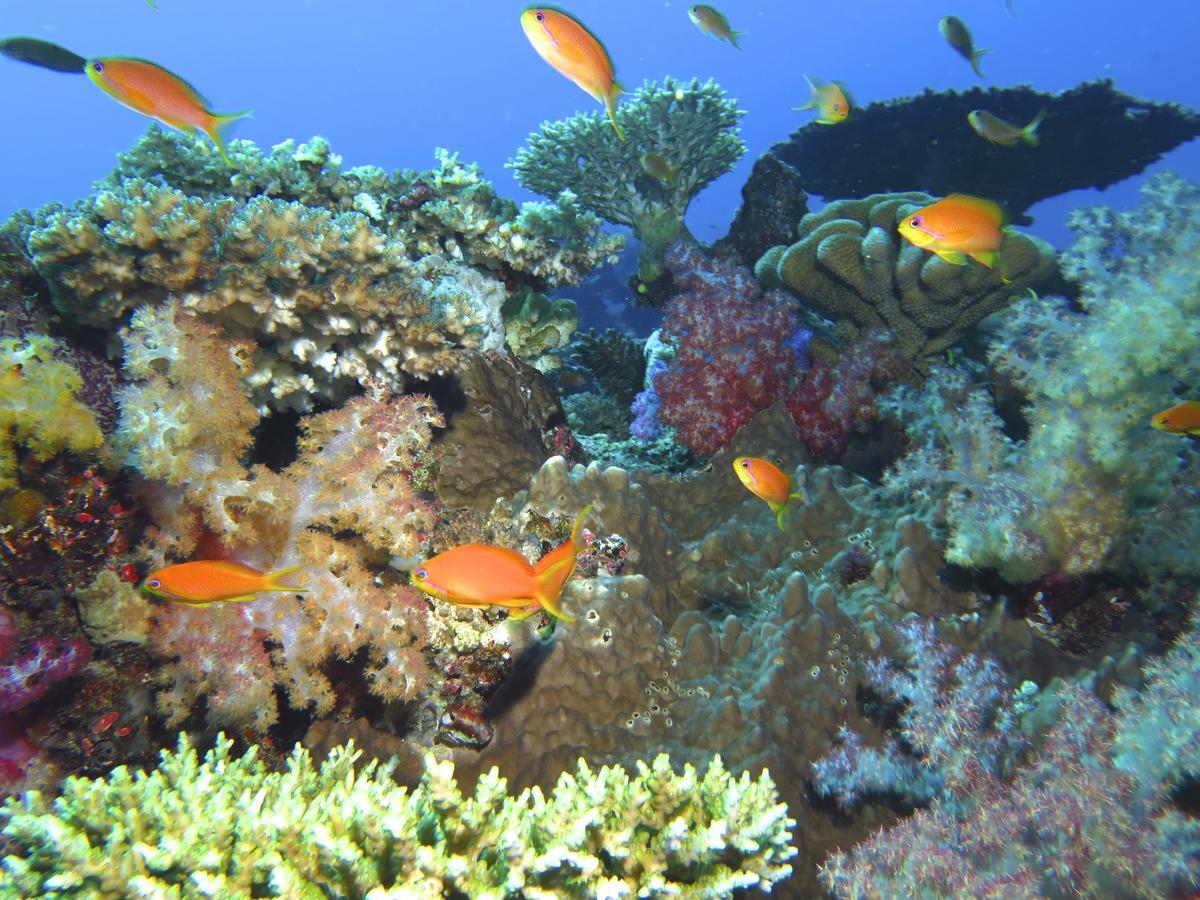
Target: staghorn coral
point(343, 507)
point(691, 125)
point(1073, 496)
point(852, 264)
point(39, 405)
point(332, 830)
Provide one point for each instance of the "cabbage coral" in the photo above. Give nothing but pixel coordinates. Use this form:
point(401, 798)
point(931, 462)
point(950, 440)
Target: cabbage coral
point(691, 127)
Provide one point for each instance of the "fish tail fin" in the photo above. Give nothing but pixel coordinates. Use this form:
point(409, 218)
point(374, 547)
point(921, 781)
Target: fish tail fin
point(610, 104)
point(975, 54)
point(274, 580)
point(577, 528)
point(547, 590)
point(733, 39)
point(1029, 133)
point(218, 129)
point(989, 258)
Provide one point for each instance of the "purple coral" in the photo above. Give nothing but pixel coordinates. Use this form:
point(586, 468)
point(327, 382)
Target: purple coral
point(25, 678)
point(645, 425)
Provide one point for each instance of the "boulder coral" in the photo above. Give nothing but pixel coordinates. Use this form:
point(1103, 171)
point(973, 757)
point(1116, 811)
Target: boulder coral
point(852, 265)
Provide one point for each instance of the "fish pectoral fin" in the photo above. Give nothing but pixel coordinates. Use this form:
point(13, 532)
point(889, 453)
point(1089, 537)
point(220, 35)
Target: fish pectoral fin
point(952, 256)
point(988, 258)
point(520, 615)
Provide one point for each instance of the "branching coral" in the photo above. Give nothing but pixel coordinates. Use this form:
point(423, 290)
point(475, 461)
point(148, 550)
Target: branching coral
point(343, 504)
point(691, 126)
point(853, 265)
point(1071, 497)
point(339, 830)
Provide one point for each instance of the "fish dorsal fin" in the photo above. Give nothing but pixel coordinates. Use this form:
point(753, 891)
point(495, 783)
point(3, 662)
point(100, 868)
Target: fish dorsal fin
point(979, 205)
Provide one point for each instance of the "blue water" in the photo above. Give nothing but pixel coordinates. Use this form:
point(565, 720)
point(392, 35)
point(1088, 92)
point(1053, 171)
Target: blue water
point(387, 82)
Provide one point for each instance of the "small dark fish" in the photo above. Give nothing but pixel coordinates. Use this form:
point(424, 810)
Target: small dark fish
point(42, 53)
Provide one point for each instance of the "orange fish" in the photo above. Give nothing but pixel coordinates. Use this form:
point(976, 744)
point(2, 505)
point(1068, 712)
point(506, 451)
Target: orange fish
point(1182, 418)
point(479, 575)
point(829, 100)
point(956, 227)
point(157, 93)
point(202, 583)
point(575, 53)
point(768, 482)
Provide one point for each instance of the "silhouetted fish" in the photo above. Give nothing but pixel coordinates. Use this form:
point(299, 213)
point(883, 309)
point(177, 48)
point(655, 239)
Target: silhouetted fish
point(42, 53)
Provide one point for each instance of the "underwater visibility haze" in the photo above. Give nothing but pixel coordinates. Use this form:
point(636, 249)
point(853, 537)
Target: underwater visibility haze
point(599, 450)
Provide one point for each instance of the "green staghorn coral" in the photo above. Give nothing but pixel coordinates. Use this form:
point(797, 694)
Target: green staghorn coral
point(38, 405)
point(692, 126)
point(334, 830)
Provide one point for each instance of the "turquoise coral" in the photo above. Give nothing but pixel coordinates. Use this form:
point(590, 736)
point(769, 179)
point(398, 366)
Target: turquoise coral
point(229, 827)
point(691, 125)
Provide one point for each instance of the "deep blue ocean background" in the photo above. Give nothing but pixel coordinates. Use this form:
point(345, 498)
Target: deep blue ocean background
point(387, 82)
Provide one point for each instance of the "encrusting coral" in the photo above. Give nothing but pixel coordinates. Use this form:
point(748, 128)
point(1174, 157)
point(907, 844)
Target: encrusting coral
point(230, 827)
point(690, 126)
point(852, 264)
point(337, 278)
point(1072, 497)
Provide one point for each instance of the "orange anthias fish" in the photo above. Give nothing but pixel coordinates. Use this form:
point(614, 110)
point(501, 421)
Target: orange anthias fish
point(203, 583)
point(479, 575)
point(956, 227)
point(153, 91)
point(829, 100)
point(1182, 418)
point(768, 482)
point(575, 53)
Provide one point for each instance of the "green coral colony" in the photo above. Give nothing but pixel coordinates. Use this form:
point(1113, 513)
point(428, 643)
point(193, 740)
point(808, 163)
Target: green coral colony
point(974, 451)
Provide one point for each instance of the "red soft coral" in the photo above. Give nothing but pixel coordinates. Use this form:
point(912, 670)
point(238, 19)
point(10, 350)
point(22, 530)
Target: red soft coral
point(833, 400)
point(731, 358)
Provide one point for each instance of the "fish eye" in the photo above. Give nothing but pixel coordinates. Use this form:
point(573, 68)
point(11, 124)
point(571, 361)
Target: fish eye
point(916, 222)
point(420, 574)
point(97, 66)
point(154, 583)
point(745, 463)
point(540, 16)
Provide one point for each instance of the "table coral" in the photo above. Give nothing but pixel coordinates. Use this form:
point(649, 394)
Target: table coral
point(852, 264)
point(338, 829)
point(691, 125)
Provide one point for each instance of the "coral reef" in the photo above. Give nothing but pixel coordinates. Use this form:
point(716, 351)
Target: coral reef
point(1071, 497)
point(26, 677)
point(1089, 812)
point(773, 201)
point(334, 830)
point(335, 277)
point(930, 146)
point(852, 265)
point(692, 126)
